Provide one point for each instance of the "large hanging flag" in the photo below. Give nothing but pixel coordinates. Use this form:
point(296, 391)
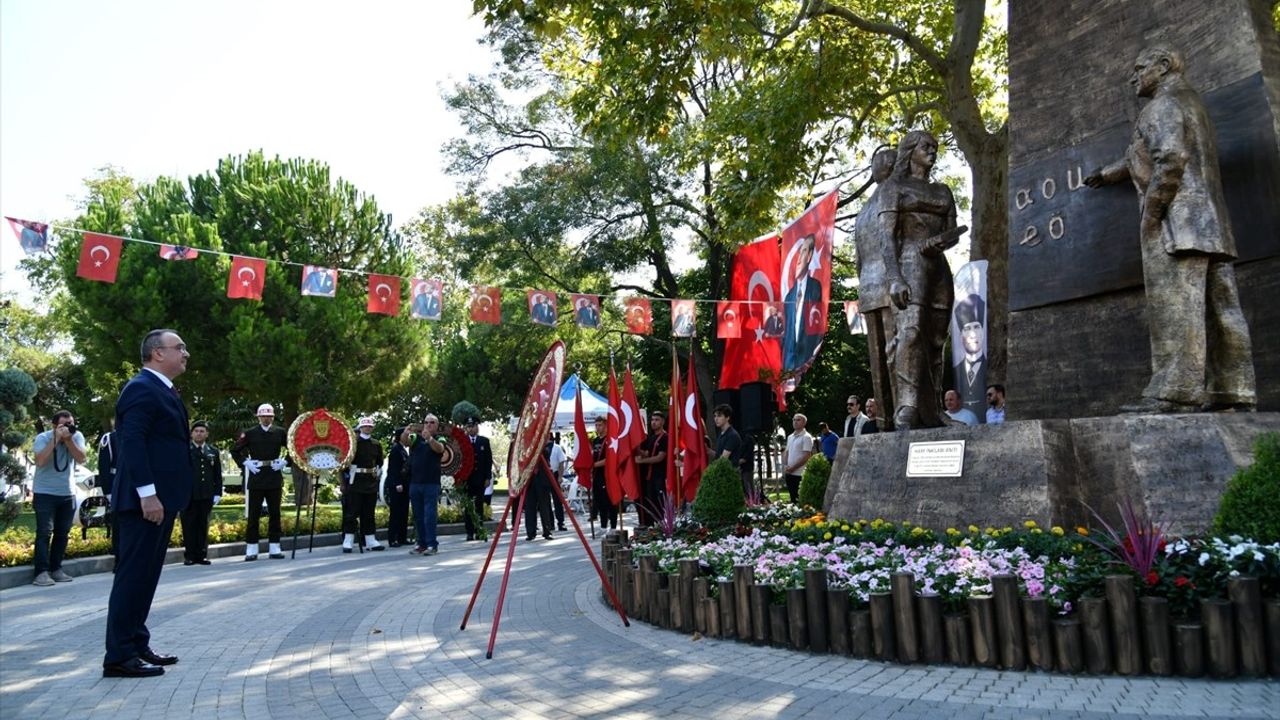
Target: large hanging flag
point(684, 315)
point(638, 314)
point(178, 252)
point(586, 310)
point(319, 281)
point(32, 236)
point(636, 431)
point(692, 436)
point(384, 294)
point(806, 283)
point(612, 451)
point(486, 304)
point(729, 321)
point(427, 299)
point(542, 307)
point(99, 258)
point(583, 460)
point(247, 278)
point(754, 282)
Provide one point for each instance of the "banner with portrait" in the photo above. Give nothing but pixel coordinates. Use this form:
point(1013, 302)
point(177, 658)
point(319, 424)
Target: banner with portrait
point(805, 283)
point(969, 336)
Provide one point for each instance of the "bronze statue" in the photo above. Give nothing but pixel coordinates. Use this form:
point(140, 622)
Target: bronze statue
point(1201, 357)
point(920, 217)
point(873, 288)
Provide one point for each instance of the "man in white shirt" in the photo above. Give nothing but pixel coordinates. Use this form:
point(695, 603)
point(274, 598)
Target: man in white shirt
point(957, 412)
point(799, 450)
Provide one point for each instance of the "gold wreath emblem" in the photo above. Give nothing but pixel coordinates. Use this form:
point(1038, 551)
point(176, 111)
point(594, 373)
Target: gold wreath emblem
point(322, 428)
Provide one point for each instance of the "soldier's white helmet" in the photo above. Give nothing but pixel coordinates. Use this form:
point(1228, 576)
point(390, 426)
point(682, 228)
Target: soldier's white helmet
point(365, 421)
point(266, 409)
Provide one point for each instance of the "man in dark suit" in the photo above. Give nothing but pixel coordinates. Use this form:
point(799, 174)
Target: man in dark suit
point(152, 485)
point(262, 450)
point(206, 462)
point(481, 473)
point(805, 293)
point(971, 371)
point(396, 489)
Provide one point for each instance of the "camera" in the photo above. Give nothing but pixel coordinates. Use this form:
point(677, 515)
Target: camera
point(71, 428)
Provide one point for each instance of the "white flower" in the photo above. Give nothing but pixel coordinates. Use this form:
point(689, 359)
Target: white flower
point(1204, 558)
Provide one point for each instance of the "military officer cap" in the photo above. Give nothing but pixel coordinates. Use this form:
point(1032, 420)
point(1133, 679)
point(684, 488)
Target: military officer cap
point(199, 424)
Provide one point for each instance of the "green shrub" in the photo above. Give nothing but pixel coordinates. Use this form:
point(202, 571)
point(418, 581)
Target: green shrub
point(1250, 505)
point(813, 484)
point(720, 498)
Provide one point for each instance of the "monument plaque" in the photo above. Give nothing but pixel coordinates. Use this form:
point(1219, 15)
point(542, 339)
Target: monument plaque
point(941, 458)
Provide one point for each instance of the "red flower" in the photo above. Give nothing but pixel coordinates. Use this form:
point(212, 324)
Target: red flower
point(1182, 582)
point(1152, 578)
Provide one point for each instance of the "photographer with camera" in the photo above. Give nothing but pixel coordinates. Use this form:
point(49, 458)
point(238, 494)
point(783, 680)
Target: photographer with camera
point(57, 451)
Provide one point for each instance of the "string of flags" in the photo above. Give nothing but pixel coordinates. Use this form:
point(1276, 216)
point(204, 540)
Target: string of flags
point(100, 258)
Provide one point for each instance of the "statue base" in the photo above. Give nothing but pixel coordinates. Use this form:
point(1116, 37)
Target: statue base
point(1173, 467)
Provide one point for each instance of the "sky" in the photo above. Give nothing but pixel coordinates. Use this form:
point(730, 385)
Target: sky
point(165, 87)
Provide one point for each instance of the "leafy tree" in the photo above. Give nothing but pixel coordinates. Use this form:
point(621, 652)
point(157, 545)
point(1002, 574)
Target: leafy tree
point(296, 351)
point(38, 345)
point(16, 391)
point(804, 76)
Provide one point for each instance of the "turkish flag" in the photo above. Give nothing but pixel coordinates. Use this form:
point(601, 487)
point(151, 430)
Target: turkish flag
point(486, 304)
point(635, 433)
point(639, 315)
point(673, 432)
point(384, 294)
point(247, 278)
point(99, 257)
point(583, 460)
point(729, 322)
point(612, 455)
point(692, 436)
point(753, 356)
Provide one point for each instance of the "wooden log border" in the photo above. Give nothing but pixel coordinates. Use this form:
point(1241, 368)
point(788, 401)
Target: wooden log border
point(1119, 633)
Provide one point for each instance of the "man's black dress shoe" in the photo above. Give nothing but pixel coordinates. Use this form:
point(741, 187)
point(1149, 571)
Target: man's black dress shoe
point(156, 658)
point(188, 562)
point(204, 562)
point(133, 667)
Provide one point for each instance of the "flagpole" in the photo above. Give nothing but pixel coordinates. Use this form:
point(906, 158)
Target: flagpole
point(622, 504)
point(673, 435)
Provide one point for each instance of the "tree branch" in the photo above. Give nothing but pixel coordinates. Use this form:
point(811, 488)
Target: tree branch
point(926, 53)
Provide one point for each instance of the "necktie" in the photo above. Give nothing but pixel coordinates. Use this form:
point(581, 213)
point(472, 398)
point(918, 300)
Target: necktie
point(973, 372)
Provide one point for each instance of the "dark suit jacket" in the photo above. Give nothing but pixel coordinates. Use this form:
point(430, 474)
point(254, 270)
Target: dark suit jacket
point(153, 443)
point(798, 349)
point(482, 470)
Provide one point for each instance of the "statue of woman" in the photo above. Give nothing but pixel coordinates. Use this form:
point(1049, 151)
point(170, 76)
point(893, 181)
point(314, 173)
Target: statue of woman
point(920, 216)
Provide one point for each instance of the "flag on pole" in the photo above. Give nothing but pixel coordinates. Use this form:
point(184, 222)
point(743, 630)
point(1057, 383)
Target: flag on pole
point(99, 257)
point(384, 294)
point(247, 278)
point(635, 431)
point(583, 461)
point(486, 304)
point(692, 436)
point(674, 485)
point(612, 449)
point(32, 236)
point(178, 252)
point(319, 281)
point(757, 354)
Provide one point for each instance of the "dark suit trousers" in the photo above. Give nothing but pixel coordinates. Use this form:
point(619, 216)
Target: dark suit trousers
point(195, 529)
point(272, 495)
point(398, 525)
point(142, 550)
point(538, 503)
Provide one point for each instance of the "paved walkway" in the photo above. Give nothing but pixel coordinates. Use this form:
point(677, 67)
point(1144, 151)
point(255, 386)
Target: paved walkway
point(376, 635)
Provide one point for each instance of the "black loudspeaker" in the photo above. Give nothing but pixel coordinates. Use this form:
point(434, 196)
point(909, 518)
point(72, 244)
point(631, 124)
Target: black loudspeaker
point(757, 407)
point(726, 397)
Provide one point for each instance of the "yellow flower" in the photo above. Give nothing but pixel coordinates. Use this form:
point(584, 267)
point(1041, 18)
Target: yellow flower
point(952, 532)
point(990, 530)
point(1056, 531)
point(917, 531)
point(1082, 530)
point(845, 527)
point(973, 529)
point(1035, 531)
point(1029, 524)
point(826, 536)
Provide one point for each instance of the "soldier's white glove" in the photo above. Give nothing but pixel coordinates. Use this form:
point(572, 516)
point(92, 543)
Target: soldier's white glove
point(277, 464)
point(253, 466)
point(217, 499)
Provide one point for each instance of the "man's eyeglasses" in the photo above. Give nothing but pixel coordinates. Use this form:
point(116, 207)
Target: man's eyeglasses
point(180, 347)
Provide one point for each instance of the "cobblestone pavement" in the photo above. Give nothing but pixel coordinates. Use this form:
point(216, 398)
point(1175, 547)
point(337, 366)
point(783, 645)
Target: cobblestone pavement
point(376, 635)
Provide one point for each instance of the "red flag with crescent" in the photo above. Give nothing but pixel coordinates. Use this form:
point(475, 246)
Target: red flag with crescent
point(247, 278)
point(384, 294)
point(612, 450)
point(99, 257)
point(583, 461)
point(729, 322)
point(486, 304)
point(692, 435)
point(754, 356)
point(639, 315)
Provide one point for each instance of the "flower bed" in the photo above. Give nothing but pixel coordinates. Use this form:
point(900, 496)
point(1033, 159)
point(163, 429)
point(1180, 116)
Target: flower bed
point(1029, 581)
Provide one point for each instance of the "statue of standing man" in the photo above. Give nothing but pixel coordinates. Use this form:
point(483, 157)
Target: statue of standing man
point(1201, 357)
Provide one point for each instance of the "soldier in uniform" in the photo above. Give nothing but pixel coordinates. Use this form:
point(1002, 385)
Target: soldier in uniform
point(261, 453)
point(481, 474)
point(396, 489)
point(360, 489)
point(205, 493)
